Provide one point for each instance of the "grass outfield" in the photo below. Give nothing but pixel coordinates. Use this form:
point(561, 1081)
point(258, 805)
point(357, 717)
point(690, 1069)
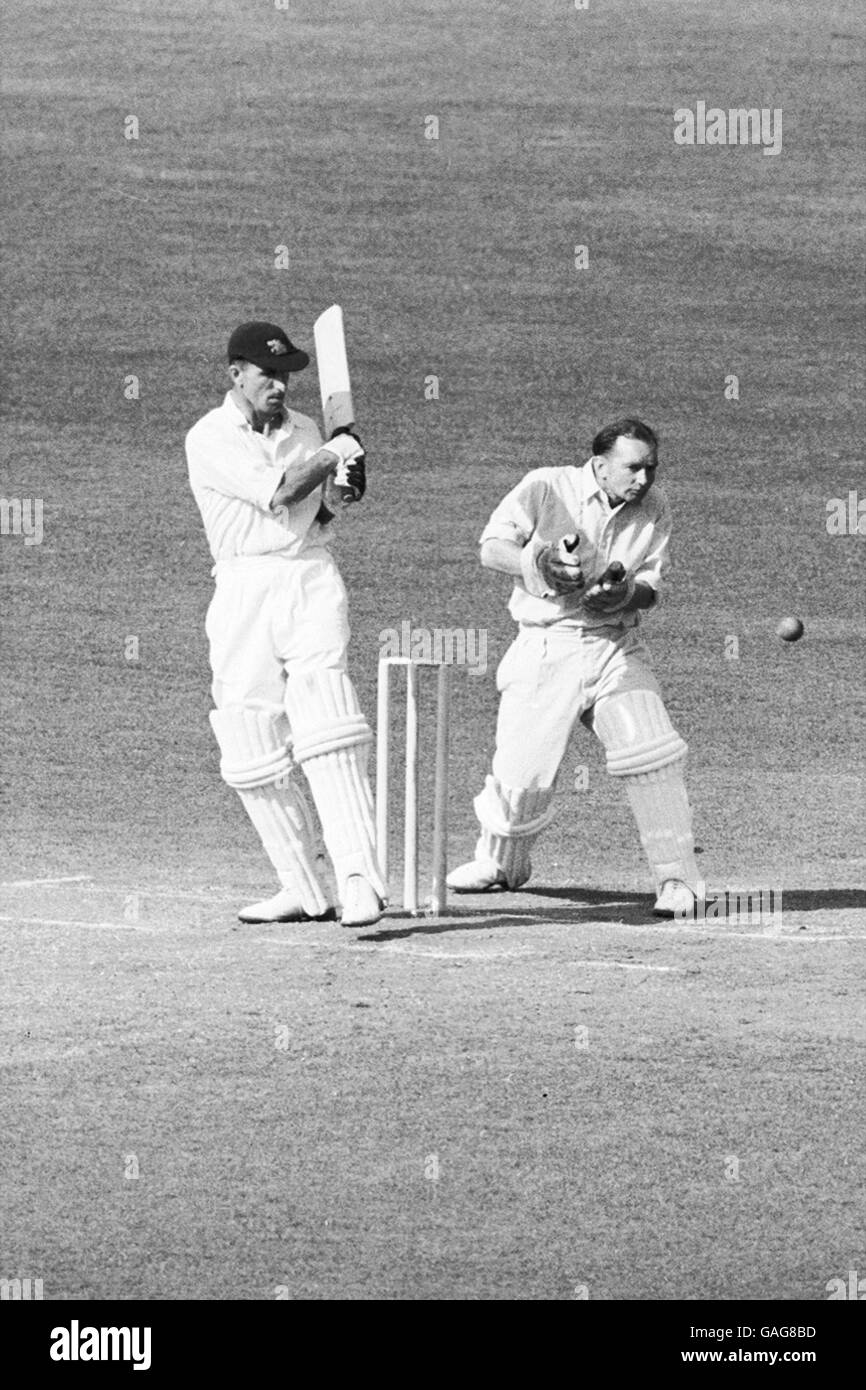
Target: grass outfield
point(137, 1018)
point(538, 1096)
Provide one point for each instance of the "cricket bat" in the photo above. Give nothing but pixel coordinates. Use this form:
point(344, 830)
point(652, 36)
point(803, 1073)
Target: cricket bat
point(334, 383)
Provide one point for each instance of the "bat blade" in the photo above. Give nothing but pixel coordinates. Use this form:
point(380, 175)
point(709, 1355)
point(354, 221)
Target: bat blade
point(334, 382)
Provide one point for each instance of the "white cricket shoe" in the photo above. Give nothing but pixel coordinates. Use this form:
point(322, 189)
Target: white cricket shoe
point(478, 876)
point(284, 906)
point(362, 905)
point(675, 898)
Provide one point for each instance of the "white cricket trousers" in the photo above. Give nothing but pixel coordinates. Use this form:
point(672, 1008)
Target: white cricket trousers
point(547, 680)
point(278, 631)
point(274, 616)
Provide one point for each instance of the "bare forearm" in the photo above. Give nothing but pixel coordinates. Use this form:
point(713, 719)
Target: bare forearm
point(303, 478)
point(503, 556)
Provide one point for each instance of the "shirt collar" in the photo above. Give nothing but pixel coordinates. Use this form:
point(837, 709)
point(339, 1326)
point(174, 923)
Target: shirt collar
point(237, 417)
point(595, 489)
point(593, 486)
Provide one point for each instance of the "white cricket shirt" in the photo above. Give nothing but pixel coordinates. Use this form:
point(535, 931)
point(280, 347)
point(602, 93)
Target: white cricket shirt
point(234, 472)
point(550, 503)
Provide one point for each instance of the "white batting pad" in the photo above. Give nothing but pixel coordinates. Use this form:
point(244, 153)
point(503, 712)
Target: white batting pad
point(331, 742)
point(660, 806)
point(646, 751)
point(511, 821)
point(254, 742)
point(637, 734)
point(288, 833)
point(257, 762)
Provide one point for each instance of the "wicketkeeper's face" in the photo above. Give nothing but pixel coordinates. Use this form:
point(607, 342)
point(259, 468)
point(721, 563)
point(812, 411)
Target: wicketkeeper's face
point(627, 471)
point(265, 390)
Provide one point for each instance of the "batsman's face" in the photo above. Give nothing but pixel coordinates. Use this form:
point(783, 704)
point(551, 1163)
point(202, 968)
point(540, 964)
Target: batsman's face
point(264, 391)
point(627, 471)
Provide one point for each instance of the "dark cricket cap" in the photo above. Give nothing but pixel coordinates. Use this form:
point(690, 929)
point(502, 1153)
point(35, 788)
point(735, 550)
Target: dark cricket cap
point(266, 346)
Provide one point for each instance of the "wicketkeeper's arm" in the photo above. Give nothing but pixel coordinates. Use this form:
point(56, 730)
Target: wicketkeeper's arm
point(502, 556)
point(546, 569)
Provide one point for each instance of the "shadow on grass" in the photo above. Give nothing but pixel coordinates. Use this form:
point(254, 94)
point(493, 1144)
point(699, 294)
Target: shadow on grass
point(489, 911)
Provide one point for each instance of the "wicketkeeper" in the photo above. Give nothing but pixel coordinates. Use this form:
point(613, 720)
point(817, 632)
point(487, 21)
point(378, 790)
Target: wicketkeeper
point(579, 655)
point(267, 489)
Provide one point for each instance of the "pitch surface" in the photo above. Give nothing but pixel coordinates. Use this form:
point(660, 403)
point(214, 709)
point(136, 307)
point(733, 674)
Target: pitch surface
point(545, 1092)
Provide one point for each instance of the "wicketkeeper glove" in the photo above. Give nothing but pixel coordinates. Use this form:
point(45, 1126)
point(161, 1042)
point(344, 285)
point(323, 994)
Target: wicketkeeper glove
point(611, 592)
point(548, 570)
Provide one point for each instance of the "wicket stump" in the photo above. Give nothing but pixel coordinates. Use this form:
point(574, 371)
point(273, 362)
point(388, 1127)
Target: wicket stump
point(440, 783)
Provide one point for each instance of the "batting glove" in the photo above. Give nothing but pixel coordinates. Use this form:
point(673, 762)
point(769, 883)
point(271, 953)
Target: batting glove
point(353, 475)
point(346, 446)
point(350, 474)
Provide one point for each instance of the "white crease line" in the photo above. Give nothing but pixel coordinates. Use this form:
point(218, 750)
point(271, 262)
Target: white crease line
point(133, 196)
point(703, 933)
point(44, 882)
point(404, 949)
point(395, 948)
point(201, 895)
point(398, 948)
point(71, 922)
point(287, 940)
point(629, 965)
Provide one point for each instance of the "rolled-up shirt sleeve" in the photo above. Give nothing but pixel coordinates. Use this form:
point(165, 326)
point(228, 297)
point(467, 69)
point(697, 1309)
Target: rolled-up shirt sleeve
point(231, 472)
point(516, 516)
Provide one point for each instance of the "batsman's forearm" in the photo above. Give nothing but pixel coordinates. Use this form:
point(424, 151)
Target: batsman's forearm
point(303, 478)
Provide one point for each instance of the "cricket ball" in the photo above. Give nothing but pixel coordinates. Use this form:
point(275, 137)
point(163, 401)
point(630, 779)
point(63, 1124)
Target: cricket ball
point(790, 629)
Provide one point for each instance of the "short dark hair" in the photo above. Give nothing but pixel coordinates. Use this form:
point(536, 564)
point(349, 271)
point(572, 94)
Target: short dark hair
point(629, 428)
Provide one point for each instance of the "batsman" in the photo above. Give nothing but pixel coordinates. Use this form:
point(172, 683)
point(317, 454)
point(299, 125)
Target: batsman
point(587, 547)
point(287, 717)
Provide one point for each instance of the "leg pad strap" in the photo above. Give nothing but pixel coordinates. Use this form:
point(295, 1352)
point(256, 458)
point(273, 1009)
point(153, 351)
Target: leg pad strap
point(637, 733)
point(331, 741)
point(516, 814)
point(511, 821)
point(255, 744)
point(645, 750)
point(348, 732)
